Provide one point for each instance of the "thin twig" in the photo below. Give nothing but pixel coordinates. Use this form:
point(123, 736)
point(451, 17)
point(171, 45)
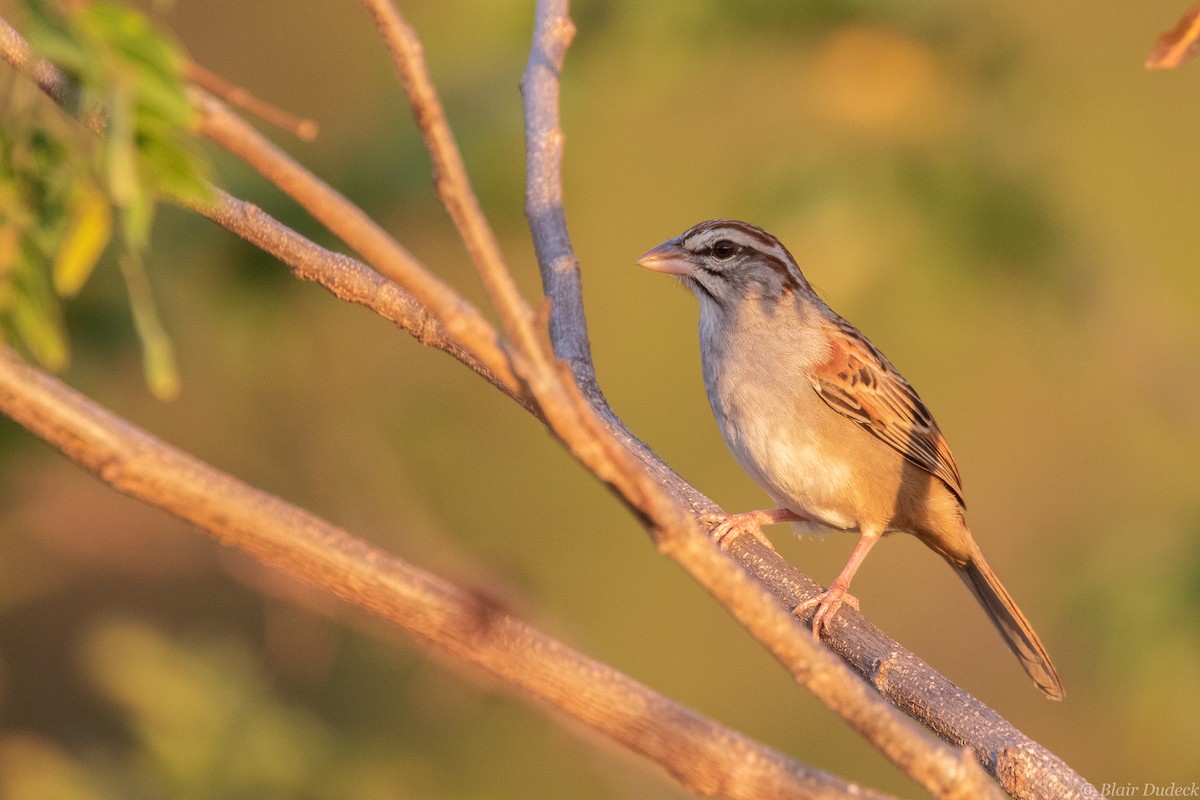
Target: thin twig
point(701, 754)
point(352, 225)
point(1178, 45)
point(352, 281)
point(450, 176)
point(303, 129)
point(544, 197)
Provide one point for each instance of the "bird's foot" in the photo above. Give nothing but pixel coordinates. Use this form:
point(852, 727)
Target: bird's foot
point(726, 527)
point(827, 602)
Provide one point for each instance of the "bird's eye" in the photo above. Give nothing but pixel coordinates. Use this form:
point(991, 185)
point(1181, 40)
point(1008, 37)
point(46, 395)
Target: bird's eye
point(724, 249)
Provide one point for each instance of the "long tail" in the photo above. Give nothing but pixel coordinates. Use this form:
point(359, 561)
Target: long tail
point(1012, 624)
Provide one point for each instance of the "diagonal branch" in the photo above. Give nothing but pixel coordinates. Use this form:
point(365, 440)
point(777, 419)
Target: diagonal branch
point(1022, 766)
point(352, 281)
point(701, 754)
point(353, 226)
point(303, 129)
point(876, 720)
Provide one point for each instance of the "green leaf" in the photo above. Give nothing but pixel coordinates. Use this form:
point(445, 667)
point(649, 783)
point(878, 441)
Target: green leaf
point(52, 38)
point(119, 58)
point(121, 170)
point(35, 316)
point(143, 57)
point(176, 169)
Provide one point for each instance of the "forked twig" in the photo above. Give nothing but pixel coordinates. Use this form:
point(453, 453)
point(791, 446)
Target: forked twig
point(578, 424)
point(450, 175)
point(1022, 766)
point(352, 225)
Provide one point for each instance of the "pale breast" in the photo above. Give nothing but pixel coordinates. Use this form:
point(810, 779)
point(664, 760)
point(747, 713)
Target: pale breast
point(778, 429)
point(786, 457)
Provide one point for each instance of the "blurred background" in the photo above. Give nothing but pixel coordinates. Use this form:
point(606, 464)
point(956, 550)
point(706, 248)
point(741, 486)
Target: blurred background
point(997, 193)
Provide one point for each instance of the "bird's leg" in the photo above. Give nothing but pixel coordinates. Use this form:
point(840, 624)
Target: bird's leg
point(830, 600)
point(727, 526)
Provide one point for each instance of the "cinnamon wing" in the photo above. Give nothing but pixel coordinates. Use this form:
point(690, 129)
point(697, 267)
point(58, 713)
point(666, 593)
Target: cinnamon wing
point(858, 382)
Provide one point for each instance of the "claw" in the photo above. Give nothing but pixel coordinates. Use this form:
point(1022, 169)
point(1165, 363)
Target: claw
point(726, 527)
point(827, 602)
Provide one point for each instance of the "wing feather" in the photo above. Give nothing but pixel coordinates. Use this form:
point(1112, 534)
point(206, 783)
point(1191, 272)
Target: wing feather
point(858, 382)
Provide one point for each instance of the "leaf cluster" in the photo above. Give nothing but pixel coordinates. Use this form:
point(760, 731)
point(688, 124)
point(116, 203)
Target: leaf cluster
point(66, 198)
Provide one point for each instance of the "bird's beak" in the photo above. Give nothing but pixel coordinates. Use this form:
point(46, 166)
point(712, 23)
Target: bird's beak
point(668, 257)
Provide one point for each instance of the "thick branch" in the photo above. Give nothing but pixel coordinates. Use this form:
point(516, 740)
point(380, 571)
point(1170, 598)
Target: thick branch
point(702, 755)
point(1023, 767)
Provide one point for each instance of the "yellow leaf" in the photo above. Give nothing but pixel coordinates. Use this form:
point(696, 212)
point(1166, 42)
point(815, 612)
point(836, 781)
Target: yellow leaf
point(87, 235)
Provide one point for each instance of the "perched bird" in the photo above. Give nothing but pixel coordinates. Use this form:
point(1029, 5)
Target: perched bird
point(823, 421)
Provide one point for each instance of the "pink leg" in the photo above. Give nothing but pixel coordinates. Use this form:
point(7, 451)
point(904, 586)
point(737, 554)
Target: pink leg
point(830, 600)
point(727, 526)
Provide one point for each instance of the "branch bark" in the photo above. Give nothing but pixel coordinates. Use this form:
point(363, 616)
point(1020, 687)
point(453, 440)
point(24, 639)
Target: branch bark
point(701, 754)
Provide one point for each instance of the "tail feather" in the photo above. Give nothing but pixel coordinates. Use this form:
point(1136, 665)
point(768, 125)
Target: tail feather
point(1012, 624)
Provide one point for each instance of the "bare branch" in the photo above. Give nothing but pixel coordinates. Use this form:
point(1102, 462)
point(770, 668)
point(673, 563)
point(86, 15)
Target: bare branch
point(702, 755)
point(1178, 45)
point(350, 223)
point(543, 191)
point(352, 281)
point(450, 176)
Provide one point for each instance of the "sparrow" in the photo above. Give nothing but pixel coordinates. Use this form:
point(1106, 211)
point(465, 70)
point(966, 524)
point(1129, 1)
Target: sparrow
point(824, 423)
